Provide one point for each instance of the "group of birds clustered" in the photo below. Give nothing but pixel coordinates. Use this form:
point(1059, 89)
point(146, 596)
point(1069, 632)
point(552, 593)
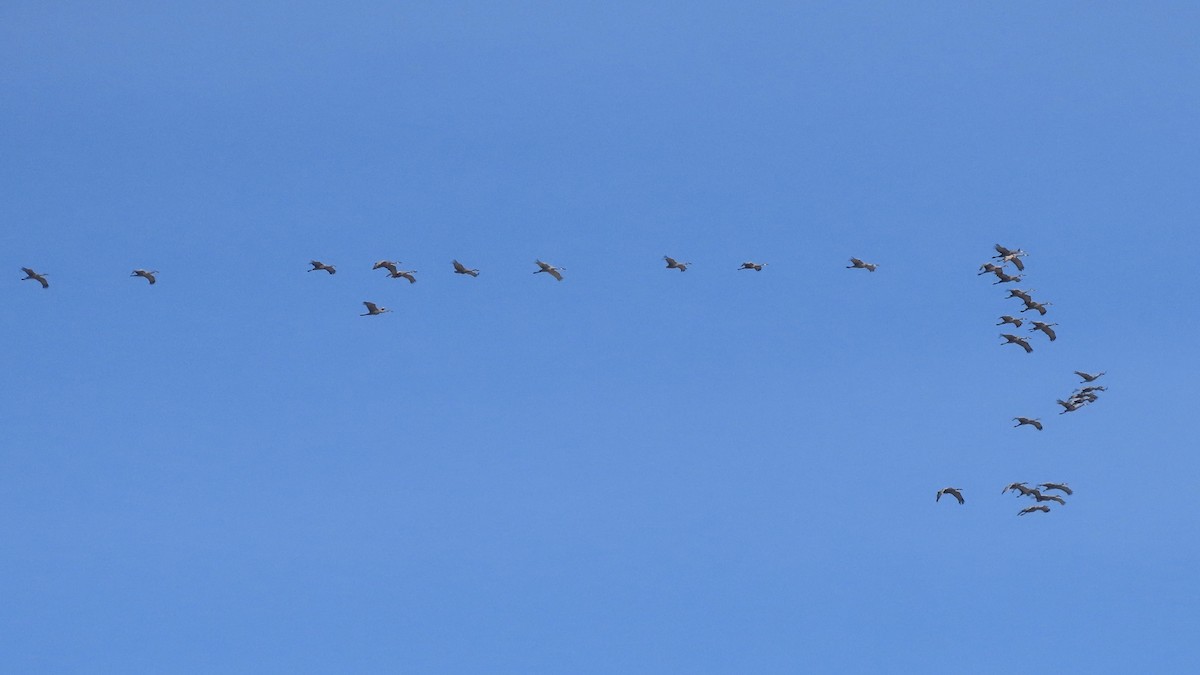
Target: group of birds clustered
point(1004, 257)
point(1082, 396)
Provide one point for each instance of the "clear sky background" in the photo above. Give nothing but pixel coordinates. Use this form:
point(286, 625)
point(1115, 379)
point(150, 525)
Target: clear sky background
point(633, 470)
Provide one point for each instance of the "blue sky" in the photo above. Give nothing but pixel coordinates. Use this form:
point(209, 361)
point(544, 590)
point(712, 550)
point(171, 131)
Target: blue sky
point(634, 470)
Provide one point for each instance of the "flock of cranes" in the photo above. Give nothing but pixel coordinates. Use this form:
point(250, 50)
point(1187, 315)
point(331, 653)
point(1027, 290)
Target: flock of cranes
point(1004, 257)
point(1079, 398)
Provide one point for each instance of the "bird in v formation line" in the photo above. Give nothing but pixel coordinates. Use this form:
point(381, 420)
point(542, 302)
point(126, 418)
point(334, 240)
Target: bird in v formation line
point(1004, 256)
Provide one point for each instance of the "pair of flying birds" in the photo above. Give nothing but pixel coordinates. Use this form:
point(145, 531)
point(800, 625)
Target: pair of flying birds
point(31, 275)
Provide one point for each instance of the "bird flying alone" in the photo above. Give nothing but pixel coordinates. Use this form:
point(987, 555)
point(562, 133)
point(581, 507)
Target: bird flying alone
point(317, 266)
point(373, 309)
point(459, 268)
point(673, 264)
point(553, 271)
point(1087, 377)
point(148, 276)
point(748, 265)
point(1022, 421)
point(1016, 340)
point(953, 492)
point(40, 278)
point(856, 264)
point(1031, 509)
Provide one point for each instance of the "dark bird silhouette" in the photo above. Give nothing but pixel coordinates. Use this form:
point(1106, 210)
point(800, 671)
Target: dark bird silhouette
point(1062, 487)
point(1050, 498)
point(373, 309)
point(1013, 339)
point(404, 274)
point(1021, 421)
point(857, 264)
point(989, 268)
point(459, 268)
point(40, 278)
point(388, 265)
point(1024, 295)
point(149, 276)
point(1016, 487)
point(1087, 377)
point(1030, 509)
point(1005, 277)
point(1045, 328)
point(953, 492)
point(1039, 306)
point(757, 267)
point(1070, 406)
point(673, 264)
point(1011, 319)
point(317, 265)
point(553, 271)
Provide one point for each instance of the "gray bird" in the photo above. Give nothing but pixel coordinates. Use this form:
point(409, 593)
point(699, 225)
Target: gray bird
point(857, 264)
point(1062, 487)
point(40, 278)
point(1011, 319)
point(459, 268)
point(1039, 306)
point(373, 309)
point(1087, 377)
point(1021, 421)
point(1016, 340)
point(673, 264)
point(1070, 406)
point(388, 265)
point(1045, 328)
point(1031, 509)
point(757, 267)
point(1016, 487)
point(1051, 498)
point(404, 274)
point(149, 276)
point(317, 265)
point(953, 492)
point(553, 271)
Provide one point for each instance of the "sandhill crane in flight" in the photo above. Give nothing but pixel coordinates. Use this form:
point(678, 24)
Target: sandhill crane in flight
point(1070, 406)
point(1005, 277)
point(553, 271)
point(1039, 306)
point(459, 268)
point(988, 268)
point(1088, 390)
point(1050, 498)
point(1058, 486)
point(757, 267)
point(1022, 294)
point(404, 274)
point(856, 264)
point(148, 276)
point(317, 265)
point(953, 492)
point(1011, 319)
point(1082, 397)
point(1045, 328)
point(673, 264)
point(1015, 260)
point(373, 309)
point(388, 265)
point(1004, 253)
point(1016, 487)
point(1022, 421)
point(1087, 377)
point(1031, 509)
point(1016, 340)
point(40, 278)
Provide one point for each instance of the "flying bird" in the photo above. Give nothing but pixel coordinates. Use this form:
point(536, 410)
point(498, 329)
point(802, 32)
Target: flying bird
point(1030, 509)
point(1070, 406)
point(1007, 252)
point(1050, 498)
point(1016, 487)
point(757, 267)
point(1021, 421)
point(404, 274)
point(40, 278)
point(388, 265)
point(1058, 486)
point(373, 309)
point(1022, 294)
point(953, 492)
point(1087, 377)
point(1005, 277)
point(988, 268)
point(317, 265)
point(553, 271)
point(459, 268)
point(857, 264)
point(1011, 319)
point(1039, 306)
point(673, 264)
point(1016, 340)
point(1045, 328)
point(148, 276)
